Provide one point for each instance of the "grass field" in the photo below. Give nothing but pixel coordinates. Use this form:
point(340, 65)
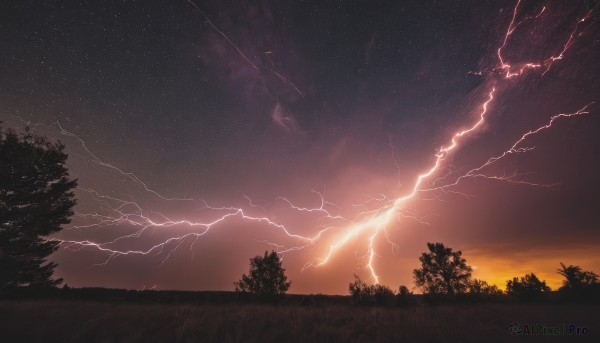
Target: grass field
point(88, 321)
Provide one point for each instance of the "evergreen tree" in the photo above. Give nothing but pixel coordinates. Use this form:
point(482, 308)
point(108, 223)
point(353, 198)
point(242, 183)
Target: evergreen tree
point(36, 198)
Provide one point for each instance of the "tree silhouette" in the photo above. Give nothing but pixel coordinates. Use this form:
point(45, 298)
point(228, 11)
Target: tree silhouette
point(527, 287)
point(442, 271)
point(382, 294)
point(404, 296)
point(403, 291)
point(575, 278)
point(482, 288)
point(362, 293)
point(359, 290)
point(266, 276)
point(36, 198)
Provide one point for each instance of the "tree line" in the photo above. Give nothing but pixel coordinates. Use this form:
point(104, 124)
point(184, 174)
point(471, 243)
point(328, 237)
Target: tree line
point(444, 275)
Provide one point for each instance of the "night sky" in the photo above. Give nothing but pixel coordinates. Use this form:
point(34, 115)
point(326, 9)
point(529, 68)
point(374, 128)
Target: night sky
point(176, 114)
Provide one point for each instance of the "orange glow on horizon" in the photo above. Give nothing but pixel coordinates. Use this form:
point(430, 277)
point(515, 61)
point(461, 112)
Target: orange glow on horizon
point(496, 270)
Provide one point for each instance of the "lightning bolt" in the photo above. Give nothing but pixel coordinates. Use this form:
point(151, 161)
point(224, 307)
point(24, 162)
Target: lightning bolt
point(384, 216)
point(516, 149)
point(338, 230)
point(507, 69)
point(377, 222)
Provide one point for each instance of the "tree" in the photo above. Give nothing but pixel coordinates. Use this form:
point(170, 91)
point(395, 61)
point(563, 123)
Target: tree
point(403, 291)
point(442, 271)
point(266, 276)
point(482, 288)
point(362, 293)
point(575, 278)
point(36, 199)
point(527, 287)
point(382, 294)
point(359, 290)
point(404, 296)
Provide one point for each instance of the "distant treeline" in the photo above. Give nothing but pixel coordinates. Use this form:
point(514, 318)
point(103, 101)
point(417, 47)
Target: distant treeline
point(158, 296)
point(113, 295)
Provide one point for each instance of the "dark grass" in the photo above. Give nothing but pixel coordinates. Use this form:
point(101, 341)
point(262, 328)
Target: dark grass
point(59, 320)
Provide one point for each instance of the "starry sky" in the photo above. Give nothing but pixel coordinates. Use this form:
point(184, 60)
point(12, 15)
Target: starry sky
point(310, 116)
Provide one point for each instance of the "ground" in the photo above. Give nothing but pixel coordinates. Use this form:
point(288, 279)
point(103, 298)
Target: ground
point(90, 321)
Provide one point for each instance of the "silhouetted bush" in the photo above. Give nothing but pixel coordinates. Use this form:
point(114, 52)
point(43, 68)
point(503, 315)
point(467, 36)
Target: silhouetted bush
point(382, 295)
point(365, 294)
point(405, 297)
point(359, 290)
point(527, 288)
point(403, 291)
point(480, 290)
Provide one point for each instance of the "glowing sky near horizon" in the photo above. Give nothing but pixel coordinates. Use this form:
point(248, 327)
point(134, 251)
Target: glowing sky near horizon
point(203, 134)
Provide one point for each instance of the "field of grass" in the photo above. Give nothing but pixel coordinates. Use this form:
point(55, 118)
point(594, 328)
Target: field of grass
point(89, 321)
